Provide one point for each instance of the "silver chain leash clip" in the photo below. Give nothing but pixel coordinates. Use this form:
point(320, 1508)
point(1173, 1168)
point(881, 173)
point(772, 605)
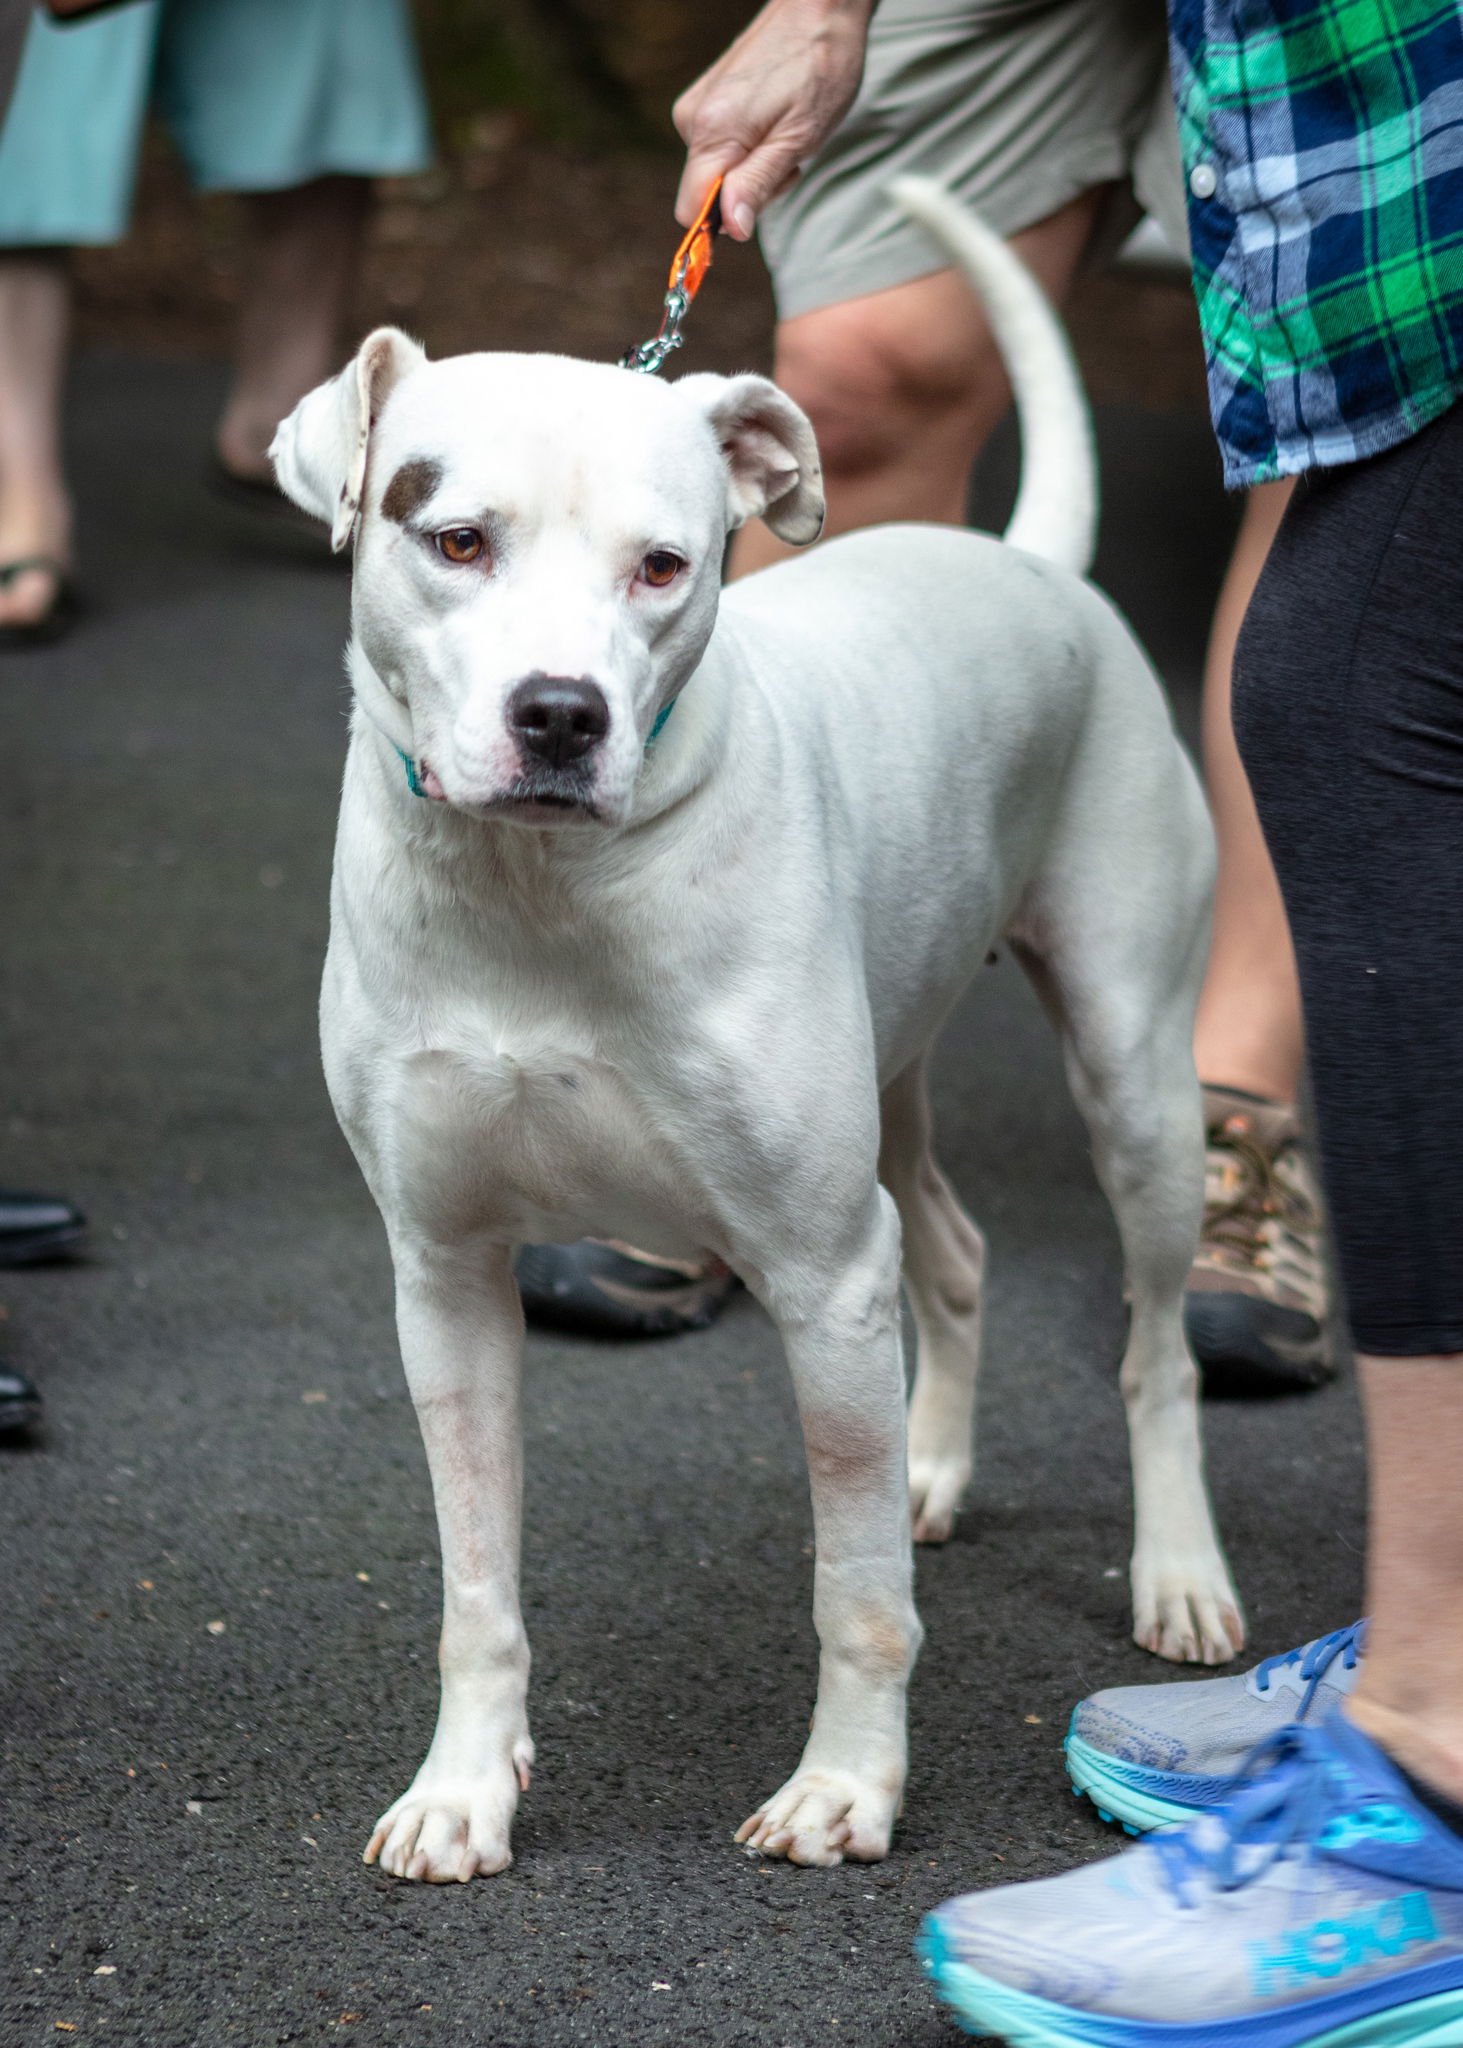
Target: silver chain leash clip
point(650, 355)
point(692, 261)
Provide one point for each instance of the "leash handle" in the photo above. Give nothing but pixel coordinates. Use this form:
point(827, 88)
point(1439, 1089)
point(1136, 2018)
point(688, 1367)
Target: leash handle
point(693, 258)
point(688, 272)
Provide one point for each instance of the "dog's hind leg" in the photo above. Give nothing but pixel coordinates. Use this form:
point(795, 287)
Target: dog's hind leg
point(944, 1269)
point(1125, 1013)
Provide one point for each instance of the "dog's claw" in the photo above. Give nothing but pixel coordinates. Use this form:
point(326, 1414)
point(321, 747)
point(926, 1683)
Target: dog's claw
point(822, 1816)
point(1188, 1617)
point(449, 1830)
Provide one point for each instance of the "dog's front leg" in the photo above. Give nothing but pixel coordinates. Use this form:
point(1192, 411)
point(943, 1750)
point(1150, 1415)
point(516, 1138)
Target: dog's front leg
point(462, 1344)
point(843, 1346)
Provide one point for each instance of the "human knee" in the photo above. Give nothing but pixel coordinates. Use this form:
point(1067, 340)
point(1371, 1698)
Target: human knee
point(872, 385)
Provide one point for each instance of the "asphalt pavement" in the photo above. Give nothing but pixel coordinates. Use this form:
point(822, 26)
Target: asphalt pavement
point(218, 1572)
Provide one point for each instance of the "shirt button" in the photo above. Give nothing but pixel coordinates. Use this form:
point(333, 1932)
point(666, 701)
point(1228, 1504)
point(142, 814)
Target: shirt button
point(1202, 181)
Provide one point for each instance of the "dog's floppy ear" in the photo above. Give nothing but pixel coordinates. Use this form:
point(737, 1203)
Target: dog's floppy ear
point(319, 452)
point(773, 471)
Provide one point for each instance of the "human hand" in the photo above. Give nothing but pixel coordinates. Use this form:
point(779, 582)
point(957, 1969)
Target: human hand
point(768, 104)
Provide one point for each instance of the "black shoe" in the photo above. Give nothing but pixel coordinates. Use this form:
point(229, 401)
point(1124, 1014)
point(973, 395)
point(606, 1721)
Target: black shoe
point(38, 1227)
point(20, 1402)
point(609, 1290)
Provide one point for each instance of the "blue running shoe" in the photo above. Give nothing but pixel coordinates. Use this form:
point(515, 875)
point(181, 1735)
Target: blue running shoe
point(1323, 1905)
point(1150, 1755)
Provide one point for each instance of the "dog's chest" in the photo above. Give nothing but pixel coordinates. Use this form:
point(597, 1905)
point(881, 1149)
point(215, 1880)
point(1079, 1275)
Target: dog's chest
point(530, 1134)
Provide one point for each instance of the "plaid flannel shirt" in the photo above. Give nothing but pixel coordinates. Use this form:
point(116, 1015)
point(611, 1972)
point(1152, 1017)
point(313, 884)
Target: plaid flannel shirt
point(1323, 144)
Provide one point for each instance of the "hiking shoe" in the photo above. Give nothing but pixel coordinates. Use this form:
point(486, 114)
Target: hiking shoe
point(1255, 1302)
point(600, 1289)
point(1149, 1755)
point(1323, 1904)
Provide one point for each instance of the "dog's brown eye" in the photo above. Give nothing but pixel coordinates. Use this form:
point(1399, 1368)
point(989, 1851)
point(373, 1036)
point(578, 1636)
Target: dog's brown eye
point(661, 567)
point(460, 544)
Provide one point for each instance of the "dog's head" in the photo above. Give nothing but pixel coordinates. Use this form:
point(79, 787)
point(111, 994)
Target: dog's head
point(538, 547)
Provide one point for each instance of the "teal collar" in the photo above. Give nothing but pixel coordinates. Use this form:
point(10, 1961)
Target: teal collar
point(413, 780)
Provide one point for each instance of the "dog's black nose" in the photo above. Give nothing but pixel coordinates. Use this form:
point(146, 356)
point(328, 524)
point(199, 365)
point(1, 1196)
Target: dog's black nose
point(558, 719)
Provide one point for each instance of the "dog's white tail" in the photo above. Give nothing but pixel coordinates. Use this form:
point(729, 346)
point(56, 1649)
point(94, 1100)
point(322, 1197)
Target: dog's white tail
point(1056, 507)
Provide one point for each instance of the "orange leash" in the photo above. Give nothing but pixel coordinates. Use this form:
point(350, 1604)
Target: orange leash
point(688, 272)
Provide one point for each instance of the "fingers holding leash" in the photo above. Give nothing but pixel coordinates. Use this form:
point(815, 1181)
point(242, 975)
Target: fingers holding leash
point(768, 104)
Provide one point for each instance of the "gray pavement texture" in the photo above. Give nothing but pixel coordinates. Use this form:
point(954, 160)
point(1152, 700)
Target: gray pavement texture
point(218, 1573)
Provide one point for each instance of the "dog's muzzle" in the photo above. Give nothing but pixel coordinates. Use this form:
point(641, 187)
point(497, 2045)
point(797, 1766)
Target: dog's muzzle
point(557, 724)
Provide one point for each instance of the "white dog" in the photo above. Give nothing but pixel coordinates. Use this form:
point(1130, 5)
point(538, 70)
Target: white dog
point(591, 977)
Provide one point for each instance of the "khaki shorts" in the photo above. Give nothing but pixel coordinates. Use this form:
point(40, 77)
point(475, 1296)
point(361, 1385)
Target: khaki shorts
point(1018, 106)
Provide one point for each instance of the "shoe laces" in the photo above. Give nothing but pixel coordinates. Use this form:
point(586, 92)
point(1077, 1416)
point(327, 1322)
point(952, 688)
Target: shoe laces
point(1239, 1223)
point(1316, 1660)
point(1285, 1792)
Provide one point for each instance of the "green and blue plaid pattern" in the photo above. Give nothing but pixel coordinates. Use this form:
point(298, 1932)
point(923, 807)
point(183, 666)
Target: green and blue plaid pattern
point(1323, 140)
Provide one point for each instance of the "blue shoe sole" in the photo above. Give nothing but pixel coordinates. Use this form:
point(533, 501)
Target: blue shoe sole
point(984, 2006)
point(1115, 1799)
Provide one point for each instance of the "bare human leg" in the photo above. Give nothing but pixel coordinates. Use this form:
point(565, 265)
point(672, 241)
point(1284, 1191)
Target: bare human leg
point(1258, 1297)
point(35, 510)
point(1248, 1031)
point(1409, 1697)
point(305, 252)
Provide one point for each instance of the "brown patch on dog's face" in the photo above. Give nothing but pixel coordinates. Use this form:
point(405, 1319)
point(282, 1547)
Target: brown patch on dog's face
point(410, 489)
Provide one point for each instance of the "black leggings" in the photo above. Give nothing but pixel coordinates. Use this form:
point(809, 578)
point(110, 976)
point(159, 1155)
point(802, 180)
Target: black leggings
point(1348, 708)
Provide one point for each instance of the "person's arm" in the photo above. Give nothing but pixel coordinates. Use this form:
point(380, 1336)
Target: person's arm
point(768, 104)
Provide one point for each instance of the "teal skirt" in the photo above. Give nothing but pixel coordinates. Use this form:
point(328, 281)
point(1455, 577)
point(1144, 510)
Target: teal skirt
point(258, 95)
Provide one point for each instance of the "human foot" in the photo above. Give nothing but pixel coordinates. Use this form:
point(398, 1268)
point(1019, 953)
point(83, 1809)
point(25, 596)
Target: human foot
point(241, 451)
point(35, 512)
point(37, 601)
point(35, 556)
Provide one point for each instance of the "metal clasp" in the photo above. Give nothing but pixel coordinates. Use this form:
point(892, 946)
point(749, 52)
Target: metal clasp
point(692, 261)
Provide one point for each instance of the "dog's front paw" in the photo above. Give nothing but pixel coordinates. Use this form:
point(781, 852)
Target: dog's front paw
point(448, 1829)
point(936, 1487)
point(1188, 1614)
point(823, 1817)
